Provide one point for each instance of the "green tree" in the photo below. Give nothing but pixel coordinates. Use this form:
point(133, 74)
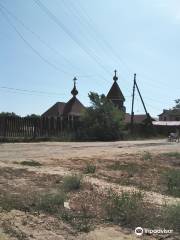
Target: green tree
point(8, 114)
point(177, 101)
point(102, 120)
point(33, 115)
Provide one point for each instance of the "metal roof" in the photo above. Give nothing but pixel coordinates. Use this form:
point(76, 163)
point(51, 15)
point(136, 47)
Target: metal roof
point(166, 123)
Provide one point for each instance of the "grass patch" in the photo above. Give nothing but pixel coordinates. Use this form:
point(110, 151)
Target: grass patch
point(128, 208)
point(146, 156)
point(90, 168)
point(47, 202)
point(131, 168)
point(3, 237)
point(172, 217)
point(50, 202)
point(172, 181)
point(30, 163)
point(72, 182)
point(10, 201)
point(79, 220)
point(175, 155)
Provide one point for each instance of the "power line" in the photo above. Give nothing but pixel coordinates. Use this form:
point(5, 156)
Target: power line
point(31, 91)
point(90, 23)
point(73, 38)
point(158, 84)
point(34, 92)
point(92, 31)
point(38, 37)
point(44, 42)
point(71, 10)
point(29, 45)
point(24, 93)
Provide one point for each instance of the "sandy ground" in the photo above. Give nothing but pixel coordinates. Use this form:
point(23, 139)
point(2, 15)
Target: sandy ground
point(52, 153)
point(58, 159)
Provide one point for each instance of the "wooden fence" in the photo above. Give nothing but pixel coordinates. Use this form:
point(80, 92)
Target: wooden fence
point(17, 127)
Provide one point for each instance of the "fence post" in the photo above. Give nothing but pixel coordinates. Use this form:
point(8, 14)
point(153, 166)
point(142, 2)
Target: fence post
point(4, 126)
point(35, 128)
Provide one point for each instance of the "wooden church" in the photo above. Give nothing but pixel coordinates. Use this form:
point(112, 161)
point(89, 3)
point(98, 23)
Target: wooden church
point(115, 94)
point(74, 108)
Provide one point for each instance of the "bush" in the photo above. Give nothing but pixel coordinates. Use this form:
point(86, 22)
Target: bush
point(172, 180)
point(130, 167)
point(10, 201)
point(175, 155)
point(90, 168)
point(171, 217)
point(128, 208)
point(30, 163)
point(72, 182)
point(79, 220)
point(146, 156)
point(50, 202)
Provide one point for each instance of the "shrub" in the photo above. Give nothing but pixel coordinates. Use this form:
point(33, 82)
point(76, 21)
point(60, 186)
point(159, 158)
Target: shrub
point(30, 163)
point(172, 180)
point(130, 167)
point(10, 201)
point(171, 217)
point(72, 182)
point(175, 155)
point(79, 220)
point(127, 209)
point(146, 156)
point(50, 202)
point(90, 168)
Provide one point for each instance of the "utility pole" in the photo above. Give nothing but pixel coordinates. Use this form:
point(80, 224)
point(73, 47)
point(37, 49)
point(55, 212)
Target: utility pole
point(141, 99)
point(132, 109)
point(135, 86)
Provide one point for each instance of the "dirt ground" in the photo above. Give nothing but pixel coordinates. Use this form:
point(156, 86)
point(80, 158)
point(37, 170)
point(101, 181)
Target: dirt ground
point(57, 159)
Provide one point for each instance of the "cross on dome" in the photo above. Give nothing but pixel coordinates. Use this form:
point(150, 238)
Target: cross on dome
point(115, 78)
point(74, 91)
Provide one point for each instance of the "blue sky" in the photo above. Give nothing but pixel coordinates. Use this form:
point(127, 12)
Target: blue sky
point(88, 39)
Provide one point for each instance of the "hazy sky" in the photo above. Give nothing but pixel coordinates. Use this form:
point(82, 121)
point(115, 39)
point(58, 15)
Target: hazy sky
point(42, 53)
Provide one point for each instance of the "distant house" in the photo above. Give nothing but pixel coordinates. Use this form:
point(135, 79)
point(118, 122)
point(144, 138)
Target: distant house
point(170, 115)
point(73, 108)
point(138, 118)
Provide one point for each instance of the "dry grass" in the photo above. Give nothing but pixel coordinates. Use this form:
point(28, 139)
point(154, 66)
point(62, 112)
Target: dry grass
point(43, 190)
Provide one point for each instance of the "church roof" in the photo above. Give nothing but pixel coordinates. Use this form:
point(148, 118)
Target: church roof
point(56, 110)
point(73, 107)
point(115, 91)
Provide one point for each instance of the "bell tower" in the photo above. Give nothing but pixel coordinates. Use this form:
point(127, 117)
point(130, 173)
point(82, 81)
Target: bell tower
point(115, 94)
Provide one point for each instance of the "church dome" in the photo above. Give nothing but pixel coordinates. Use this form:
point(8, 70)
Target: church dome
point(115, 92)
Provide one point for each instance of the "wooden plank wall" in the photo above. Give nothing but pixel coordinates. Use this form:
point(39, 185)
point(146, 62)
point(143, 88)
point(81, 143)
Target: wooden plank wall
point(17, 127)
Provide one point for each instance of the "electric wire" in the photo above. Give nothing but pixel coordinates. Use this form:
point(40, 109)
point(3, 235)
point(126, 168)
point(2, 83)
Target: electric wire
point(56, 20)
point(29, 45)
